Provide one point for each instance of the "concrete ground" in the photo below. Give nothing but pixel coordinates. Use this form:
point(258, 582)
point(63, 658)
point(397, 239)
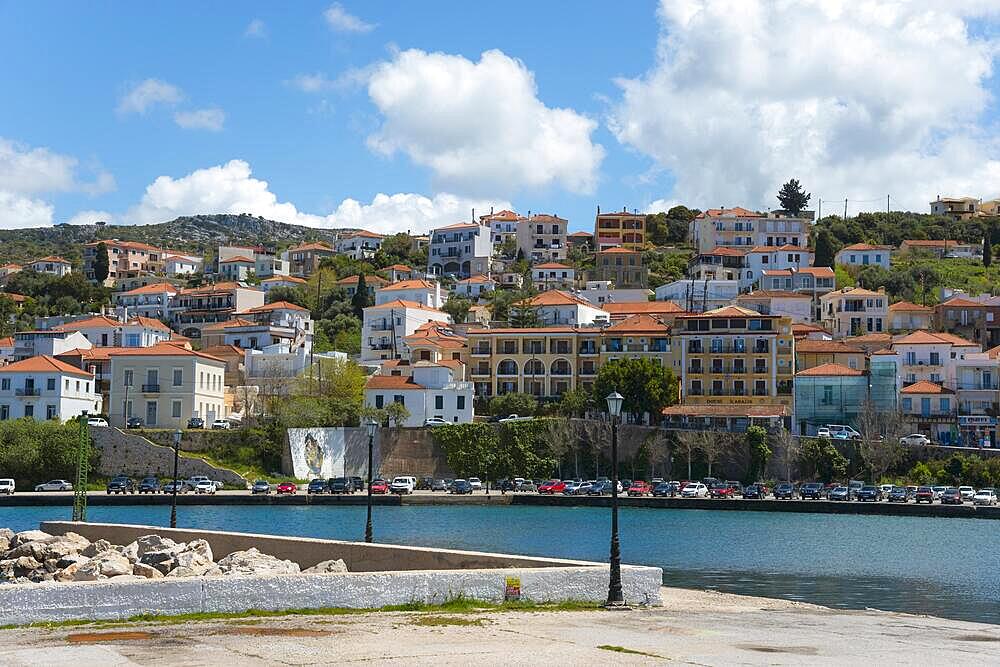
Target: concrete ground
point(693, 627)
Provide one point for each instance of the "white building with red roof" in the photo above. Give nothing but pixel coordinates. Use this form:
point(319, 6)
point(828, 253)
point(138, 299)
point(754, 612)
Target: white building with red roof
point(864, 254)
point(149, 300)
point(104, 331)
point(53, 265)
point(474, 287)
point(460, 250)
point(556, 307)
point(385, 326)
point(740, 227)
point(360, 244)
point(426, 292)
point(553, 275)
point(44, 387)
point(426, 389)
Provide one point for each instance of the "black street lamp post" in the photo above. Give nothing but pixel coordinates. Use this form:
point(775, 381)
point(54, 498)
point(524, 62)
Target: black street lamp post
point(173, 503)
point(371, 425)
point(616, 598)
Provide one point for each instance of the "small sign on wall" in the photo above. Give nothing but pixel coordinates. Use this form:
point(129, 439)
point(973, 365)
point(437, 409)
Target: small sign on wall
point(512, 589)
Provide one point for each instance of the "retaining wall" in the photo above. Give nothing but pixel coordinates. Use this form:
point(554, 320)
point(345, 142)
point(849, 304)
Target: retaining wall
point(131, 454)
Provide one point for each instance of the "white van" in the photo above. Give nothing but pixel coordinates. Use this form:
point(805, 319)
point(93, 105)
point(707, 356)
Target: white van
point(7, 486)
point(842, 432)
point(403, 484)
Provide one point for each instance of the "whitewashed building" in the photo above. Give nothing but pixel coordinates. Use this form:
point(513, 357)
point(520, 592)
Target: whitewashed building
point(474, 287)
point(461, 250)
point(386, 325)
point(556, 307)
point(429, 391)
point(54, 265)
point(149, 300)
point(359, 245)
point(425, 292)
point(864, 254)
point(698, 296)
point(43, 387)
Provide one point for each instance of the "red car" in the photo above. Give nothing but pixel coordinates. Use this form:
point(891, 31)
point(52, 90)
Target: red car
point(380, 486)
point(552, 486)
point(639, 488)
point(722, 490)
point(287, 487)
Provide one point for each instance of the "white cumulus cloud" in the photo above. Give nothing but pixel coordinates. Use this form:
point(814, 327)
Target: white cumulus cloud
point(145, 94)
point(17, 211)
point(231, 188)
point(201, 119)
point(341, 21)
point(480, 126)
point(856, 100)
point(256, 28)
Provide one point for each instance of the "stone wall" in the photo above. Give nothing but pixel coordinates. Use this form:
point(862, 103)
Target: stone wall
point(134, 455)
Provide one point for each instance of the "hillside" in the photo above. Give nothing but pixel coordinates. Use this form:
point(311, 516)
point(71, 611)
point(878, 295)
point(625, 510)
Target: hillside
point(189, 233)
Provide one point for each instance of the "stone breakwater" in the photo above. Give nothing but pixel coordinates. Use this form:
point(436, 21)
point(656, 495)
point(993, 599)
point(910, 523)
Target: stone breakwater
point(34, 556)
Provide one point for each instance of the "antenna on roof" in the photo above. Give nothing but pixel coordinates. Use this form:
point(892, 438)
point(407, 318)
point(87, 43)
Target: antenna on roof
point(473, 213)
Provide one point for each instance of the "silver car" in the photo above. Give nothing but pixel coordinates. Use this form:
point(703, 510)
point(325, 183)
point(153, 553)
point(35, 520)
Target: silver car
point(54, 485)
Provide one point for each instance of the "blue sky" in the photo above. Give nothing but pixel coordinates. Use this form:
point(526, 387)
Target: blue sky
point(679, 101)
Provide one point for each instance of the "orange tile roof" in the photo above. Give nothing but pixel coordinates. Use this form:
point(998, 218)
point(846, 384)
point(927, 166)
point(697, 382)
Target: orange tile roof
point(399, 267)
point(648, 307)
point(726, 311)
point(458, 225)
point(907, 306)
point(88, 323)
point(92, 354)
point(772, 294)
point(221, 351)
point(315, 245)
point(229, 324)
point(505, 214)
point(149, 323)
point(43, 364)
point(953, 339)
point(640, 323)
point(162, 350)
point(415, 283)
point(211, 289)
point(391, 382)
point(238, 259)
point(556, 298)
point(617, 250)
point(735, 211)
point(807, 326)
point(866, 246)
point(285, 279)
point(932, 338)
point(726, 251)
point(814, 271)
point(7, 342)
point(52, 258)
point(369, 280)
point(932, 243)
point(364, 233)
point(925, 387)
point(853, 292)
point(277, 305)
point(781, 248)
point(478, 279)
point(12, 266)
point(403, 303)
point(157, 288)
point(16, 298)
point(588, 234)
point(827, 370)
point(962, 302)
point(809, 346)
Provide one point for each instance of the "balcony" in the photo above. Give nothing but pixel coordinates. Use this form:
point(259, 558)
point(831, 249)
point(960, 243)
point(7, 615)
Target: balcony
point(695, 348)
point(588, 370)
point(697, 370)
point(28, 391)
point(380, 346)
point(728, 349)
point(588, 349)
point(508, 349)
point(561, 348)
point(761, 348)
point(480, 350)
point(635, 347)
point(151, 389)
point(381, 326)
point(760, 370)
point(481, 371)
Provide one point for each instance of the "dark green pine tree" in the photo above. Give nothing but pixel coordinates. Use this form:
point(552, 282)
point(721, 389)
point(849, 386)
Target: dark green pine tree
point(360, 300)
point(987, 248)
point(101, 264)
point(793, 198)
point(825, 249)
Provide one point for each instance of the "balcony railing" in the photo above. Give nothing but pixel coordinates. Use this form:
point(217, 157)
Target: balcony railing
point(562, 372)
point(381, 326)
point(151, 389)
point(482, 350)
point(697, 370)
point(28, 391)
point(589, 349)
point(759, 370)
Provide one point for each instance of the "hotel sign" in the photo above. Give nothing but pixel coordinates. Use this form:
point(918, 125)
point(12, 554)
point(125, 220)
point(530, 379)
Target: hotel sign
point(976, 420)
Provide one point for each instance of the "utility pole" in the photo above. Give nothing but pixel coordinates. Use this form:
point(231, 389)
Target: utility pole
point(845, 209)
point(887, 205)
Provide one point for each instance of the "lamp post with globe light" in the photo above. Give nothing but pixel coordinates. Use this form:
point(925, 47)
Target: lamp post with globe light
point(615, 597)
point(371, 425)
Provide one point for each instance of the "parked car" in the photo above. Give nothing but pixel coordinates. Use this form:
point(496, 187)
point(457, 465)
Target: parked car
point(822, 432)
point(840, 493)
point(439, 485)
point(7, 486)
point(855, 486)
point(196, 422)
point(843, 432)
point(514, 418)
point(316, 486)
point(54, 485)
point(261, 486)
point(664, 489)
point(925, 494)
point(985, 497)
point(639, 488)
point(951, 496)
point(570, 487)
point(133, 422)
point(461, 487)
point(899, 494)
point(476, 483)
point(221, 425)
point(149, 485)
point(403, 484)
point(694, 490)
point(205, 486)
point(872, 493)
point(755, 492)
point(967, 492)
point(178, 484)
point(527, 486)
point(97, 421)
point(380, 487)
point(340, 485)
point(359, 484)
point(551, 487)
point(885, 489)
point(599, 489)
point(939, 491)
point(784, 491)
point(287, 488)
point(722, 490)
point(121, 484)
point(915, 440)
point(435, 421)
point(583, 487)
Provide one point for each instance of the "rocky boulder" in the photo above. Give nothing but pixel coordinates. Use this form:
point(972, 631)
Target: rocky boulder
point(51, 547)
point(252, 561)
point(337, 566)
point(103, 566)
point(22, 567)
point(95, 548)
point(27, 536)
point(6, 537)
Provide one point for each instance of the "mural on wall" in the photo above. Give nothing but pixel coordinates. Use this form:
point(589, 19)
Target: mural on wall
point(326, 452)
point(316, 452)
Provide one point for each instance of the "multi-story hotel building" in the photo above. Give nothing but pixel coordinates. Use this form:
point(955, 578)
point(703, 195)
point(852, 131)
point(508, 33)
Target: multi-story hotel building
point(620, 230)
point(740, 227)
point(461, 250)
point(855, 311)
point(734, 356)
point(123, 256)
point(542, 238)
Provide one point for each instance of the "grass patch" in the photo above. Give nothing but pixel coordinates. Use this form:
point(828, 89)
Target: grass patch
point(454, 606)
point(622, 649)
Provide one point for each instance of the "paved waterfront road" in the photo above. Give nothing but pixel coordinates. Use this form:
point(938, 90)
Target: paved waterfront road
point(692, 627)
